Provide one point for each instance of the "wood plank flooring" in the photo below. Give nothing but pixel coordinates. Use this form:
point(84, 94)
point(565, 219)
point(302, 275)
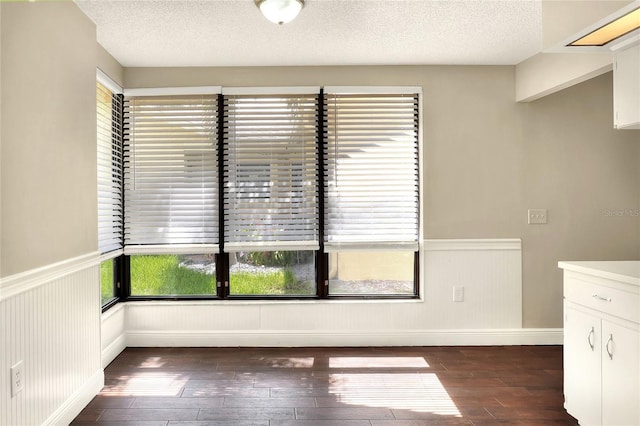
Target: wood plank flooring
point(408, 386)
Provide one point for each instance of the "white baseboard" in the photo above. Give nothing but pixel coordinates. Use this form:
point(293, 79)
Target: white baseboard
point(524, 336)
point(113, 350)
point(70, 409)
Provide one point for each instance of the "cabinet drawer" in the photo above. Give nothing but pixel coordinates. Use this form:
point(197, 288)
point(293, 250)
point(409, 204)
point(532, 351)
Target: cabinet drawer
point(612, 301)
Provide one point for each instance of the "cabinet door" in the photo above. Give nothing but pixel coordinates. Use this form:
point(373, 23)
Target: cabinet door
point(626, 88)
point(582, 362)
point(620, 375)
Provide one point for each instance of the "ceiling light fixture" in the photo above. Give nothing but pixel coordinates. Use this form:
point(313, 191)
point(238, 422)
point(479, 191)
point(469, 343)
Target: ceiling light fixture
point(611, 31)
point(280, 11)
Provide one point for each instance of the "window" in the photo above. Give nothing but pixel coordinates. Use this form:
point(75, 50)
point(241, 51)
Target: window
point(108, 290)
point(173, 275)
point(271, 192)
point(371, 191)
point(372, 272)
point(109, 178)
point(274, 273)
point(171, 193)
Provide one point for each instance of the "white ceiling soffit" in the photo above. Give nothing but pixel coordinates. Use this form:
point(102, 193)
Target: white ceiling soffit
point(159, 33)
point(619, 43)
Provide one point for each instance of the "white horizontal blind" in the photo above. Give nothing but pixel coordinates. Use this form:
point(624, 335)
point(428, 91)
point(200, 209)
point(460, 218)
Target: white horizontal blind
point(171, 174)
point(371, 171)
point(109, 135)
point(271, 169)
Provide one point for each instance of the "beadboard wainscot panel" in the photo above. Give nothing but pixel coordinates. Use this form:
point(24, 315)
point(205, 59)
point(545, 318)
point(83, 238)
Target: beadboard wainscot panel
point(50, 320)
point(490, 271)
point(113, 333)
point(491, 313)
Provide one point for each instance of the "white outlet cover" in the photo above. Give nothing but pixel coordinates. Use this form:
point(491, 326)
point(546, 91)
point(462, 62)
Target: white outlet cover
point(537, 216)
point(17, 378)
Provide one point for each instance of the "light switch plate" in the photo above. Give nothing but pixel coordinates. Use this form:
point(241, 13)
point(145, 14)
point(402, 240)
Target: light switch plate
point(458, 293)
point(537, 216)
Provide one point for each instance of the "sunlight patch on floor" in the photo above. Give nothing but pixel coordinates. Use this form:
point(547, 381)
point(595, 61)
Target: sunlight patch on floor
point(378, 362)
point(420, 392)
point(152, 362)
point(146, 384)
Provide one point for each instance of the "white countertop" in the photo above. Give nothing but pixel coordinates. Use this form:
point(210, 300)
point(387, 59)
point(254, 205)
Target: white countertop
point(627, 271)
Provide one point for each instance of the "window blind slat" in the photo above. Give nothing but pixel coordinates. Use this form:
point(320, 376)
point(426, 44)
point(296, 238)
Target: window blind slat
point(171, 175)
point(270, 170)
point(109, 170)
point(371, 172)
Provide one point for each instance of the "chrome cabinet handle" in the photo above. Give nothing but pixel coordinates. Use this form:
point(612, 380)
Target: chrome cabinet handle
point(591, 333)
point(604, 299)
point(610, 342)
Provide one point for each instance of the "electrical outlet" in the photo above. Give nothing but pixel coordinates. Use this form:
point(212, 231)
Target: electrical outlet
point(17, 379)
point(537, 216)
point(458, 293)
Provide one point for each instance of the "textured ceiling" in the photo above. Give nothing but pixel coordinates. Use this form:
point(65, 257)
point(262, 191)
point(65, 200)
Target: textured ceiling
point(158, 33)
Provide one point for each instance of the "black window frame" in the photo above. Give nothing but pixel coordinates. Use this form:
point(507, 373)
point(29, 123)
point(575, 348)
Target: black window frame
point(117, 144)
point(122, 263)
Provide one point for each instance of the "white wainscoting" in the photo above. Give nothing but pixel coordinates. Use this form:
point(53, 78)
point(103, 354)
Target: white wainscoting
point(113, 333)
point(490, 271)
point(50, 320)
point(491, 313)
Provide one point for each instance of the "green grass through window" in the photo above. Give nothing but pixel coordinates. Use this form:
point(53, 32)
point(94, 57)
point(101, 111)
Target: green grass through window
point(273, 283)
point(163, 275)
point(106, 281)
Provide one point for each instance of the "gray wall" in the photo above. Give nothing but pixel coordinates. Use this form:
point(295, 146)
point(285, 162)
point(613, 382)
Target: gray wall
point(585, 173)
point(48, 162)
point(108, 65)
point(48, 211)
point(486, 158)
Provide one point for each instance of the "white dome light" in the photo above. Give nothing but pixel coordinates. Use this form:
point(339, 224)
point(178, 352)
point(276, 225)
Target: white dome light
point(280, 11)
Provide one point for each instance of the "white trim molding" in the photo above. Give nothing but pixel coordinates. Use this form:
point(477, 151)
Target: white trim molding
point(292, 90)
point(473, 244)
point(108, 82)
point(356, 90)
point(113, 350)
point(24, 281)
point(70, 409)
point(170, 91)
point(288, 338)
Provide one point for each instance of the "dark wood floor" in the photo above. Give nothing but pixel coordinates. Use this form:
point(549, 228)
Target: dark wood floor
point(332, 386)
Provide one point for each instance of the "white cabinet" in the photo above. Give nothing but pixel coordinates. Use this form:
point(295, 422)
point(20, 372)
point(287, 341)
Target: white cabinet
point(601, 346)
point(620, 374)
point(626, 88)
point(582, 337)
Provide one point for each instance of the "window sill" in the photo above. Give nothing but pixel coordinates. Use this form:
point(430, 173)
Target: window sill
point(267, 302)
point(112, 310)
